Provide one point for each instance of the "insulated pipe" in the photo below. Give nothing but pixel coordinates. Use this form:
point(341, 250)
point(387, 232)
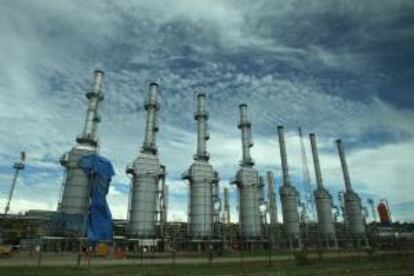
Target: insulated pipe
point(344, 165)
point(245, 127)
point(152, 107)
point(201, 116)
point(92, 118)
point(316, 163)
point(283, 156)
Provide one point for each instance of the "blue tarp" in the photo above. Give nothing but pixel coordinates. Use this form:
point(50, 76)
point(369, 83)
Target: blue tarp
point(99, 224)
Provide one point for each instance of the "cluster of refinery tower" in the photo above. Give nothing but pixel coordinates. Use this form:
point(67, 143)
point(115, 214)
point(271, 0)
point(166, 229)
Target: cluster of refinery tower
point(147, 206)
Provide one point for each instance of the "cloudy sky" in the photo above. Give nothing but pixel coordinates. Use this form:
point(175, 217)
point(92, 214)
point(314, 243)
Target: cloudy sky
point(337, 68)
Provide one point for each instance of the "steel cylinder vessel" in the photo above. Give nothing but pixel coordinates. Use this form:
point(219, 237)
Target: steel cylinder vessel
point(249, 203)
point(288, 194)
point(143, 209)
point(75, 194)
point(272, 200)
point(95, 96)
point(326, 226)
point(353, 208)
point(203, 181)
point(323, 198)
point(353, 214)
point(201, 200)
point(289, 200)
point(247, 181)
point(146, 172)
point(246, 133)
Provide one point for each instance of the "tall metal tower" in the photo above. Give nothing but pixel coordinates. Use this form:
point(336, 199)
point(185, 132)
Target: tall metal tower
point(289, 197)
point(354, 218)
point(147, 173)
point(18, 166)
point(274, 223)
point(203, 181)
point(226, 213)
point(323, 199)
point(272, 200)
point(247, 181)
point(308, 210)
point(75, 195)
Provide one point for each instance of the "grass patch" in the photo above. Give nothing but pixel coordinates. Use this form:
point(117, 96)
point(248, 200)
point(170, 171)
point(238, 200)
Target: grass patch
point(390, 265)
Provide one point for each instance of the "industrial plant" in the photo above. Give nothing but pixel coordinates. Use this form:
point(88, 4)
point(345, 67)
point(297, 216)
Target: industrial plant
point(83, 216)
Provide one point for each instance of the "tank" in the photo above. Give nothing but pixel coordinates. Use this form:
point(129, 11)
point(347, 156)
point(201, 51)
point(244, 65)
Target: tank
point(247, 181)
point(147, 173)
point(75, 193)
point(384, 213)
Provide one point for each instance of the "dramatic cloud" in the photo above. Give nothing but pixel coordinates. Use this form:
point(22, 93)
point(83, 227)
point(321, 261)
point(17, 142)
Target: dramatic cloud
point(338, 68)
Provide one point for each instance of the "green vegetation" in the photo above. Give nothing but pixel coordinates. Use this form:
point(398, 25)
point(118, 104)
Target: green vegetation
point(381, 265)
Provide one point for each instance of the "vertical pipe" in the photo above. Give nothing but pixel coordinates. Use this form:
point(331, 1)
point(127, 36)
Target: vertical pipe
point(95, 97)
point(152, 107)
point(201, 116)
point(245, 127)
point(315, 156)
point(283, 156)
point(344, 165)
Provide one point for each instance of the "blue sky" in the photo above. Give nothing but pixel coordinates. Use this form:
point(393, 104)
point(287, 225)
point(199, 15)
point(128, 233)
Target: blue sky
point(338, 68)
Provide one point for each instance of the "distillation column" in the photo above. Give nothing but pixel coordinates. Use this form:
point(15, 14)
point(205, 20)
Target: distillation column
point(289, 197)
point(203, 180)
point(75, 195)
point(274, 227)
point(323, 200)
point(354, 219)
point(147, 173)
point(226, 213)
point(247, 181)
